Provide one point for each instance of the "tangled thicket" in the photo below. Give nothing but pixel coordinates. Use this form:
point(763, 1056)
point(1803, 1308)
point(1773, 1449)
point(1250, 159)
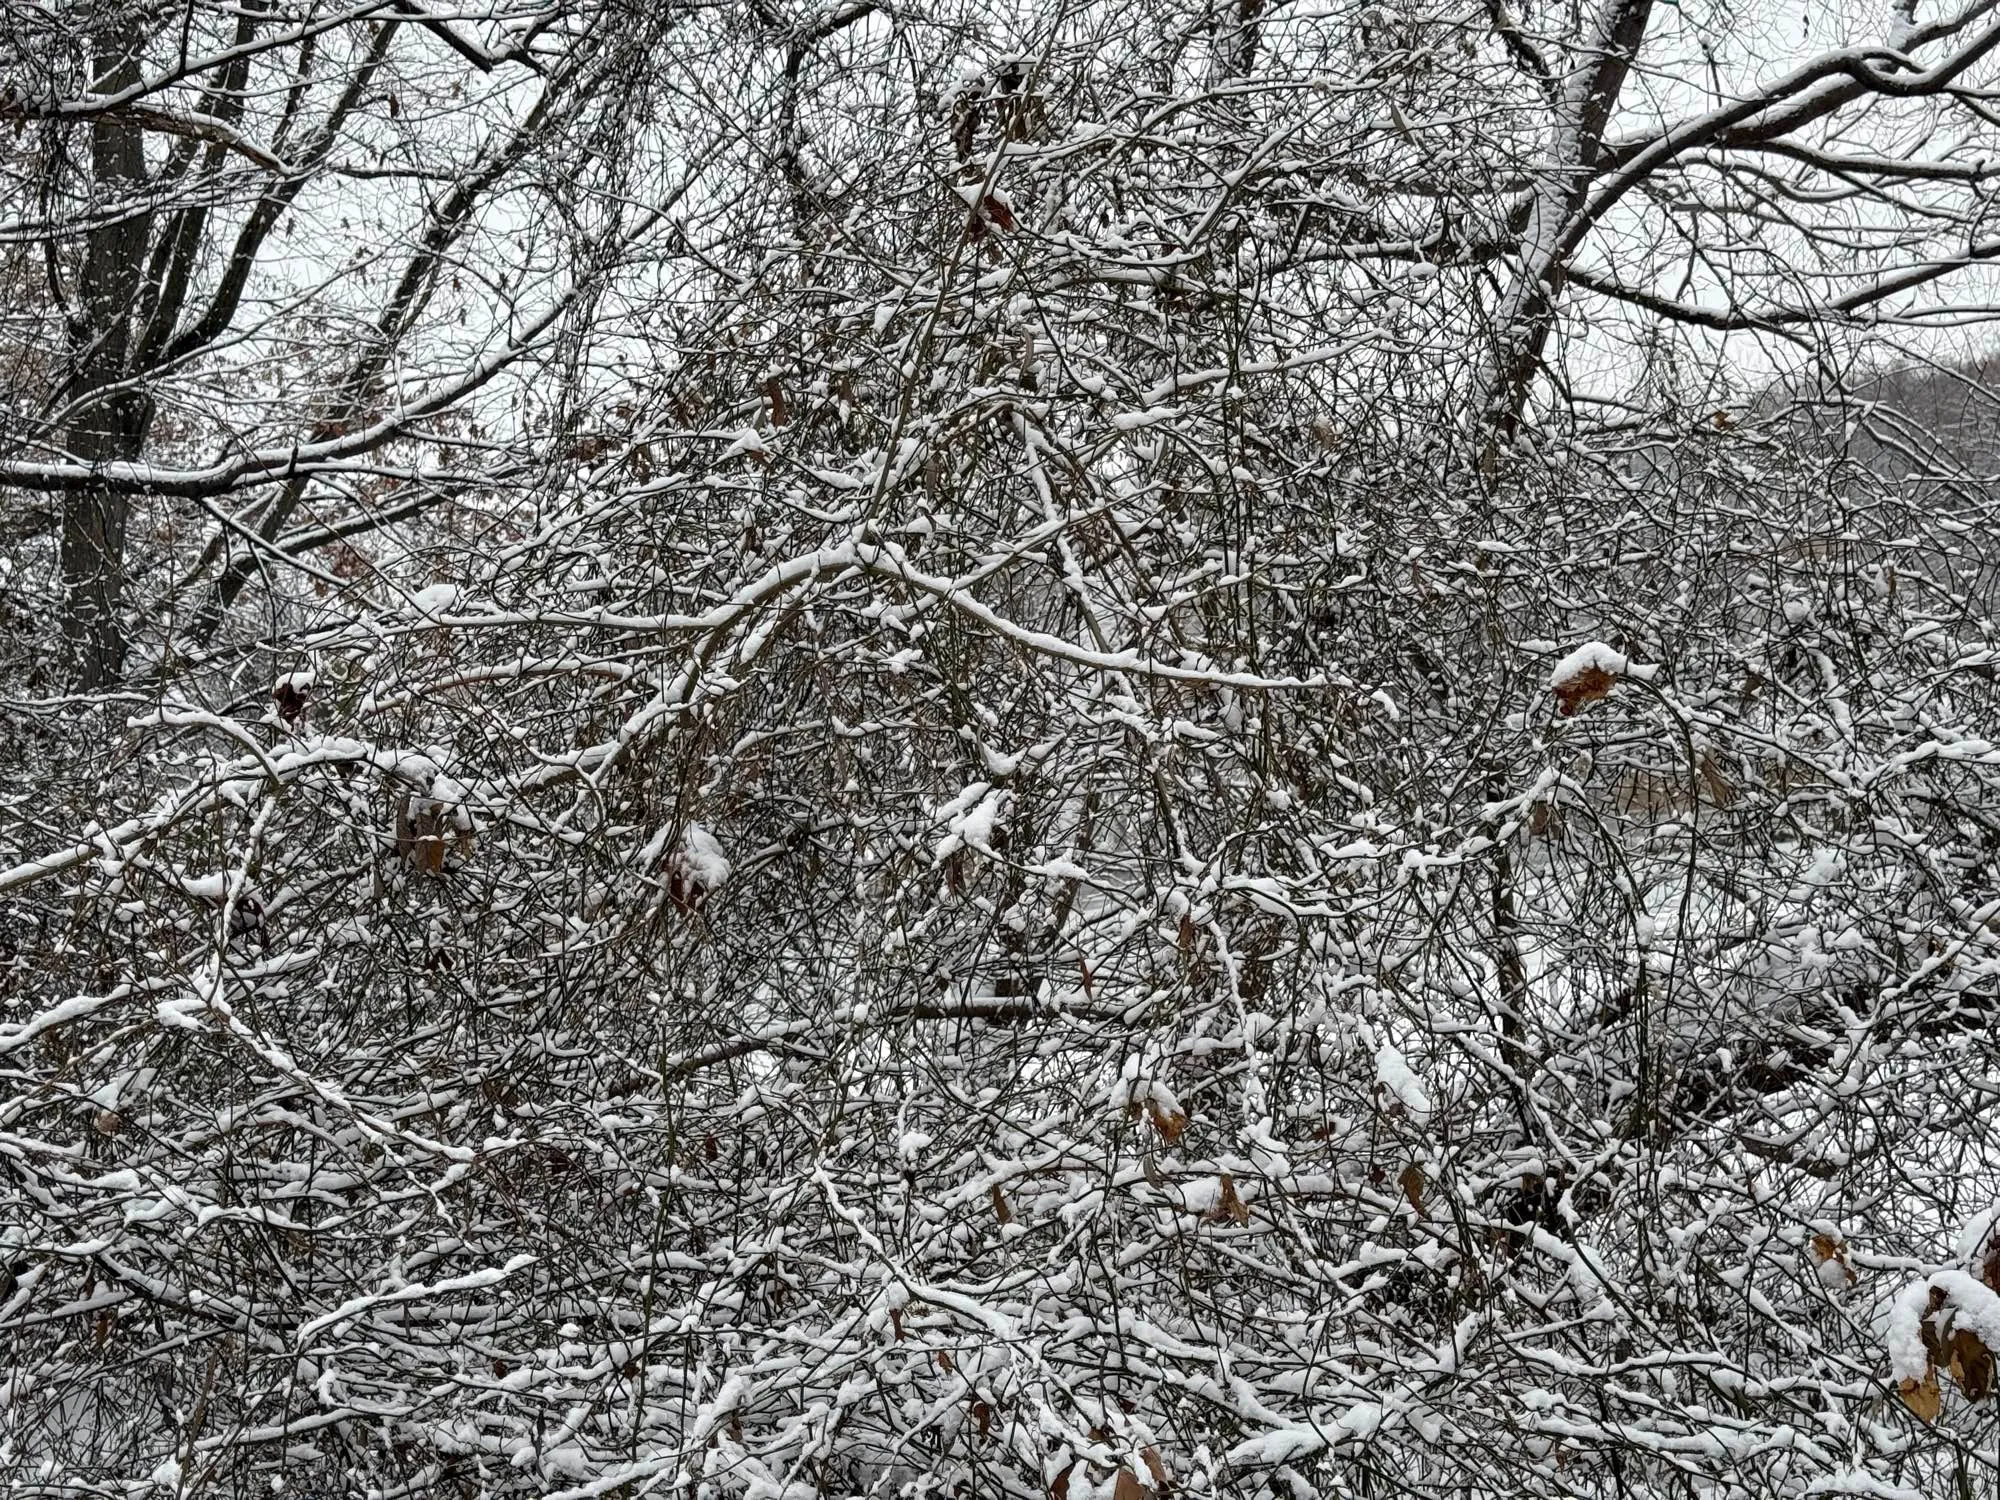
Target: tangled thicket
point(762, 753)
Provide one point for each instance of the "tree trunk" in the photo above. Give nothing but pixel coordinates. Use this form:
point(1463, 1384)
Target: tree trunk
point(111, 414)
point(1556, 221)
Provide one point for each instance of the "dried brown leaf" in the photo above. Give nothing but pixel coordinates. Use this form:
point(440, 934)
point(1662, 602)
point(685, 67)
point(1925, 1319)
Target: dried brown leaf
point(1830, 1255)
point(1971, 1365)
point(1922, 1397)
point(1171, 1123)
point(1928, 1327)
point(1720, 792)
point(1413, 1183)
point(1229, 1206)
point(1579, 688)
point(290, 697)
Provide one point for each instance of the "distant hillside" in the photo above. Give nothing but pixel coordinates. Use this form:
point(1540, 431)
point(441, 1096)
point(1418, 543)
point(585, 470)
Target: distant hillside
point(1939, 423)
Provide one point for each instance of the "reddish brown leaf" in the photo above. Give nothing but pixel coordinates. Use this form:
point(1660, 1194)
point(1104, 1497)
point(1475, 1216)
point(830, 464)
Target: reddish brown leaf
point(1413, 1181)
point(290, 696)
point(1229, 1207)
point(1579, 688)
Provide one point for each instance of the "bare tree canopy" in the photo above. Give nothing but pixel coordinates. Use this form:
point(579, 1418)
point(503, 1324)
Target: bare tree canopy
point(799, 749)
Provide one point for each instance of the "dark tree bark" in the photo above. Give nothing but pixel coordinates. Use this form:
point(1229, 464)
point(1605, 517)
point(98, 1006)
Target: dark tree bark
point(1556, 221)
point(111, 411)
